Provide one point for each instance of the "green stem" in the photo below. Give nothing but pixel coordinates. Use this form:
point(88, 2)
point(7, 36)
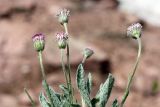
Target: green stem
point(32, 102)
point(130, 79)
point(69, 74)
point(41, 65)
point(65, 27)
point(45, 85)
point(68, 64)
point(84, 59)
point(63, 68)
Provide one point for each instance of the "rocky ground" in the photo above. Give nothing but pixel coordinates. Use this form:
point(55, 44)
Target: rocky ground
point(98, 24)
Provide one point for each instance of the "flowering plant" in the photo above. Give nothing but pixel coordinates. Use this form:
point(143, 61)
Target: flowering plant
point(66, 98)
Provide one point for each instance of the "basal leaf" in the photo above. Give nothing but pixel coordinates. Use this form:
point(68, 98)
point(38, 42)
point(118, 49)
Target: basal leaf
point(75, 105)
point(65, 103)
point(89, 83)
point(94, 101)
point(115, 103)
point(64, 89)
point(82, 85)
point(56, 100)
point(104, 91)
point(65, 95)
point(43, 100)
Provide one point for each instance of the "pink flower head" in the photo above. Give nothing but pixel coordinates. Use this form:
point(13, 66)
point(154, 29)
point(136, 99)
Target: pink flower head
point(63, 16)
point(62, 40)
point(38, 42)
point(38, 37)
point(134, 30)
point(61, 36)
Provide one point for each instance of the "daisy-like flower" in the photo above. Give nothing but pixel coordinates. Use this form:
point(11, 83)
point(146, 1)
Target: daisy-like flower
point(88, 53)
point(63, 16)
point(134, 30)
point(38, 42)
point(62, 40)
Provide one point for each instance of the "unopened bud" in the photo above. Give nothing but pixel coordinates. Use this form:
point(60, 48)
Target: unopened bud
point(134, 30)
point(62, 40)
point(63, 16)
point(38, 42)
point(88, 52)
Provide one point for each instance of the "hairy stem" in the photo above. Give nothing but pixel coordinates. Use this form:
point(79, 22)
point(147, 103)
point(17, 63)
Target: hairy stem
point(41, 65)
point(69, 74)
point(65, 28)
point(130, 79)
point(45, 85)
point(84, 59)
point(63, 68)
point(30, 98)
point(68, 64)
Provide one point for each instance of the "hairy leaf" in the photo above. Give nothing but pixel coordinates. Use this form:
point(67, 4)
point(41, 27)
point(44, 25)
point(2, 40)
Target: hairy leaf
point(94, 101)
point(56, 101)
point(89, 83)
point(104, 91)
point(75, 105)
point(65, 103)
point(43, 100)
point(115, 103)
point(65, 90)
point(82, 85)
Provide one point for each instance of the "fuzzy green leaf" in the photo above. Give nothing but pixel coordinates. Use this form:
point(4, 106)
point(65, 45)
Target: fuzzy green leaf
point(94, 101)
point(80, 77)
point(65, 95)
point(55, 97)
point(75, 105)
point(89, 83)
point(82, 85)
point(115, 103)
point(65, 103)
point(100, 88)
point(64, 89)
point(105, 91)
point(43, 100)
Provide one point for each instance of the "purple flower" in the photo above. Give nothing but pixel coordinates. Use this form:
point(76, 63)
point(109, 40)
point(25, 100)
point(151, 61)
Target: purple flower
point(62, 40)
point(134, 30)
point(38, 36)
point(63, 16)
point(38, 42)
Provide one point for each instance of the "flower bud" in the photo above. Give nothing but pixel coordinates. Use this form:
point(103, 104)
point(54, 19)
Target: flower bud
point(38, 42)
point(63, 16)
point(134, 30)
point(87, 53)
point(62, 40)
